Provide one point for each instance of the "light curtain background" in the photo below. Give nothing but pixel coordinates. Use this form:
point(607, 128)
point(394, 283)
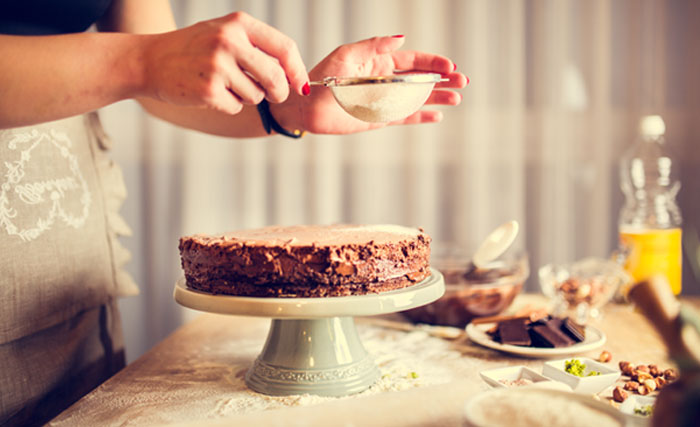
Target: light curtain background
point(557, 88)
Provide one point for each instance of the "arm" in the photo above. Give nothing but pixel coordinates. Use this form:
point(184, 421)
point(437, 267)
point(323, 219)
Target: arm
point(52, 77)
point(213, 67)
point(318, 113)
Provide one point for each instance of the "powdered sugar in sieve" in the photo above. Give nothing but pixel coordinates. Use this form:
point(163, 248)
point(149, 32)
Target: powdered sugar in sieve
point(383, 98)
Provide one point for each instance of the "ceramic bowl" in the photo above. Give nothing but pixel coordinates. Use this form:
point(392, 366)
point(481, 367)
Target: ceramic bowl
point(635, 403)
point(555, 369)
point(501, 378)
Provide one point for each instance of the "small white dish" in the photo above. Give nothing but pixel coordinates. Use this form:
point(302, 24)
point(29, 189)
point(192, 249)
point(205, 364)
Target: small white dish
point(555, 369)
point(594, 339)
point(636, 402)
point(500, 377)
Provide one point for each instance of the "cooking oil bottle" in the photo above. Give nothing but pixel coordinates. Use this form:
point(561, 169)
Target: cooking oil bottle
point(650, 220)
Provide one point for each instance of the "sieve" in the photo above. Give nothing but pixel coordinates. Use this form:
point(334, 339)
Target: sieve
point(381, 99)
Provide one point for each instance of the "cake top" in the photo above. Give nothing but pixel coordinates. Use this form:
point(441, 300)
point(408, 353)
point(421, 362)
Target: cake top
point(319, 235)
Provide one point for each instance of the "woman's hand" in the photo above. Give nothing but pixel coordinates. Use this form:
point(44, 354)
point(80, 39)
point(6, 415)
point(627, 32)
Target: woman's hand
point(222, 64)
point(320, 113)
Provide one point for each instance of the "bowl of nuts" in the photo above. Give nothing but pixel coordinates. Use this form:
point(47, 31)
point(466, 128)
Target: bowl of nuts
point(583, 287)
point(642, 380)
point(472, 292)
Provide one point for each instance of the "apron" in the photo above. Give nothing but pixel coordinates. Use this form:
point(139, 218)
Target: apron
point(60, 266)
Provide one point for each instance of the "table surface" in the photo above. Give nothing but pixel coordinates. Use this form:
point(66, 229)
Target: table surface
point(200, 360)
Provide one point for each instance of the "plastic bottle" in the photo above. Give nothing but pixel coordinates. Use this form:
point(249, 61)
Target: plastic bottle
point(650, 220)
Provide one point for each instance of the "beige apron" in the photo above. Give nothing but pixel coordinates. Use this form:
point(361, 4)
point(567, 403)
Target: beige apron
point(60, 266)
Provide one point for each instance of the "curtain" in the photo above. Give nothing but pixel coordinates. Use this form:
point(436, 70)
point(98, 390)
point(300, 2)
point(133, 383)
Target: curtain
point(557, 88)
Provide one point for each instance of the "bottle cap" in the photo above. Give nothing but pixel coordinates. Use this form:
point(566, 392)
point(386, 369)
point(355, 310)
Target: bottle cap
point(652, 126)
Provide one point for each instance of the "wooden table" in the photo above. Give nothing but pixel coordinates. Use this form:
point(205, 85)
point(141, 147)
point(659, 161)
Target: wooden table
point(199, 361)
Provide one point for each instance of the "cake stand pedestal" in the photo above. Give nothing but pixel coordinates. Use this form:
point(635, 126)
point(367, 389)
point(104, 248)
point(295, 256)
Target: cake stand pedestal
point(312, 346)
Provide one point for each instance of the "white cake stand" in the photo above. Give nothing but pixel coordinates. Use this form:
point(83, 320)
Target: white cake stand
point(313, 346)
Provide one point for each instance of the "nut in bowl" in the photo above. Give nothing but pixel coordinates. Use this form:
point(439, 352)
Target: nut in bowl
point(473, 292)
point(582, 287)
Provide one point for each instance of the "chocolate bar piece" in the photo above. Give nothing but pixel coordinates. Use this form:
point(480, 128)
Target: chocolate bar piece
point(574, 330)
point(514, 332)
point(545, 336)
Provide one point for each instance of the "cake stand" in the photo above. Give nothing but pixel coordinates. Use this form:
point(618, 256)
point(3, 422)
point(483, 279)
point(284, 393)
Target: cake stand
point(312, 345)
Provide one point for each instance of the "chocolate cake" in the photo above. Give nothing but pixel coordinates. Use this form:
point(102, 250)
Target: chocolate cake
point(306, 261)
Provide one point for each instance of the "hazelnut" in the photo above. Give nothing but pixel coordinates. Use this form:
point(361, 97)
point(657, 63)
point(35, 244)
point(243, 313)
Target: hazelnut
point(660, 382)
point(642, 368)
point(631, 385)
point(655, 371)
point(670, 375)
point(605, 357)
point(626, 368)
point(640, 376)
point(619, 395)
point(650, 384)
point(642, 390)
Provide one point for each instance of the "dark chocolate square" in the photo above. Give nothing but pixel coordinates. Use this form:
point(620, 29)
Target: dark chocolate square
point(545, 336)
point(574, 330)
point(514, 332)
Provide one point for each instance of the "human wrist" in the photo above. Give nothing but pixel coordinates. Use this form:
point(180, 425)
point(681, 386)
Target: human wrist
point(138, 65)
point(289, 114)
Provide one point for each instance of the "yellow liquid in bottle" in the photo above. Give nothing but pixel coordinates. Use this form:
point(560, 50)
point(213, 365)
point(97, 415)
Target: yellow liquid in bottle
point(654, 251)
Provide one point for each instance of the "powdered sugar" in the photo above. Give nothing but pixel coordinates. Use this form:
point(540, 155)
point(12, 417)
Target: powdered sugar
point(384, 102)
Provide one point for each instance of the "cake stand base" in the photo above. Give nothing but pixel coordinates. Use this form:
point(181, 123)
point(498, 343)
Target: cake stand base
point(317, 356)
point(312, 346)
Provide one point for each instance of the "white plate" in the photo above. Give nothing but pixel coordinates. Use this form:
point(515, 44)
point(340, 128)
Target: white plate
point(594, 339)
point(419, 294)
point(541, 397)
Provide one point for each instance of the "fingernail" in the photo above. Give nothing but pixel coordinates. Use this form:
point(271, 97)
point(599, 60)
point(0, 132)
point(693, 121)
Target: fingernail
point(398, 36)
point(454, 67)
point(306, 90)
point(467, 79)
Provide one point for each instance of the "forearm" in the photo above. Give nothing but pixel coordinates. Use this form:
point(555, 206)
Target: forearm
point(246, 124)
point(44, 78)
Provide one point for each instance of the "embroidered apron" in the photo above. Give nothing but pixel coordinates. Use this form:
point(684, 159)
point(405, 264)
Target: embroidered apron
point(60, 266)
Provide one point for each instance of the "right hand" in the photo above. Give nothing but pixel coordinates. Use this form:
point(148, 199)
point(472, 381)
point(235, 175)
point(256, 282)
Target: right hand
point(222, 64)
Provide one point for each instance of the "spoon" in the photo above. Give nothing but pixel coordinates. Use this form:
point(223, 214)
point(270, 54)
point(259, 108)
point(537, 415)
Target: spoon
point(497, 242)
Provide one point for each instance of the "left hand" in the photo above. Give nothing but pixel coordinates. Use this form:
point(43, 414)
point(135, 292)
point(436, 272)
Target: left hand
point(378, 56)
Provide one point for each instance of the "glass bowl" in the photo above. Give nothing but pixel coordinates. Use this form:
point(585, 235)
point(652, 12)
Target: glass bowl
point(382, 99)
point(581, 288)
point(471, 292)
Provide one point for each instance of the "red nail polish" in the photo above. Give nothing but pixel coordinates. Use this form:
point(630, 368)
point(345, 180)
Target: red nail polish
point(467, 79)
point(306, 90)
point(398, 36)
point(454, 67)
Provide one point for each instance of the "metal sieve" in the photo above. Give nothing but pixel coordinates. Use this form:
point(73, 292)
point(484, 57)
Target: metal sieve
point(381, 99)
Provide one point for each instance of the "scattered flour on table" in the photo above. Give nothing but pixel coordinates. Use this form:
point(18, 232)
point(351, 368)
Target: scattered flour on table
point(197, 392)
